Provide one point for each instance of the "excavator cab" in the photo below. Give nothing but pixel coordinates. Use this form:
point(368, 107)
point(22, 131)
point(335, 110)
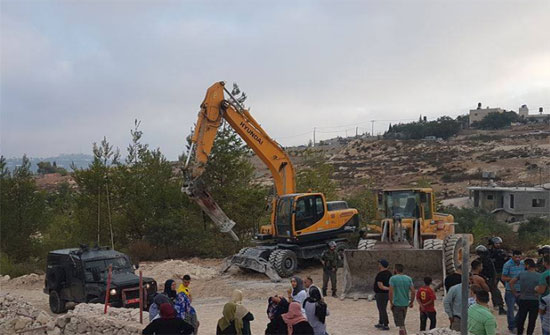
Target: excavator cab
point(305, 217)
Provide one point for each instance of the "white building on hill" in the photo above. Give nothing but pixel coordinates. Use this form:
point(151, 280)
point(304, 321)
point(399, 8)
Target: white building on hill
point(479, 113)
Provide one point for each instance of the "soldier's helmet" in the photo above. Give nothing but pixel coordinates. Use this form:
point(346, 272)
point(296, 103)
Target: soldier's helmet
point(481, 250)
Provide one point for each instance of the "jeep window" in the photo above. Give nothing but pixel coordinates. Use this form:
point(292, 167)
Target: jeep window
point(102, 266)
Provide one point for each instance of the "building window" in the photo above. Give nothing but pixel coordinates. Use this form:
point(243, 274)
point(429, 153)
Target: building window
point(539, 202)
point(489, 197)
point(511, 201)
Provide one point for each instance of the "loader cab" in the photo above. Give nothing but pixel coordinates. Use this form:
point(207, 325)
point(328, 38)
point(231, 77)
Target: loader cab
point(409, 203)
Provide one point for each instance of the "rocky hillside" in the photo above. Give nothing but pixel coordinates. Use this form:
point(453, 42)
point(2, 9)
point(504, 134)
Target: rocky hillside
point(517, 156)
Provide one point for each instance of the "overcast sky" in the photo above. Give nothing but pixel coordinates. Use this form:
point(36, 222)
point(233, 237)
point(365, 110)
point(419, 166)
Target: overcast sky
point(75, 71)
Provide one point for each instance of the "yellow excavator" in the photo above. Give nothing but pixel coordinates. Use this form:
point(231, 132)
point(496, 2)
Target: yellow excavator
point(412, 233)
point(302, 224)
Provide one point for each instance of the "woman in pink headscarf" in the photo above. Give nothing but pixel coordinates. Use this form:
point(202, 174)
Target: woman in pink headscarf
point(296, 322)
point(168, 323)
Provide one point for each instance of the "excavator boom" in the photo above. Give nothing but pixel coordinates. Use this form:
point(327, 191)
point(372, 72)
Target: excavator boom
point(214, 109)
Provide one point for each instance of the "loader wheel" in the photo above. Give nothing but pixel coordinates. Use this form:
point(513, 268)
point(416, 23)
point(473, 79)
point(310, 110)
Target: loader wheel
point(366, 244)
point(433, 244)
point(453, 253)
point(284, 261)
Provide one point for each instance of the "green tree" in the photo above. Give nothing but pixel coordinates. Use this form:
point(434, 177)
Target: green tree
point(47, 167)
point(365, 201)
point(497, 120)
point(534, 232)
point(62, 230)
point(230, 179)
point(315, 176)
point(94, 201)
point(444, 127)
point(22, 211)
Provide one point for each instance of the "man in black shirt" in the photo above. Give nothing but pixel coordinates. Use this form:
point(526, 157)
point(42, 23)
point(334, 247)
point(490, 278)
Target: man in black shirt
point(381, 291)
point(453, 279)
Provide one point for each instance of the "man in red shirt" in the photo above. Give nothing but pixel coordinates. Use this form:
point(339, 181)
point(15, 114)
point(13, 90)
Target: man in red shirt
point(426, 299)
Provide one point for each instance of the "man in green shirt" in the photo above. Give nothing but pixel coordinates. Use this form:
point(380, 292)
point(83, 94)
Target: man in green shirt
point(480, 319)
point(542, 288)
point(400, 298)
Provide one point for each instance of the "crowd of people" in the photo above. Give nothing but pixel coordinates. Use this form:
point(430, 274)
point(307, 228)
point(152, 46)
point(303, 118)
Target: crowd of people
point(303, 311)
point(527, 288)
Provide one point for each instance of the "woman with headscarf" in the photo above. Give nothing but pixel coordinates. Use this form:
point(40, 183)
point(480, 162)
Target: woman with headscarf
point(229, 324)
point(276, 307)
point(316, 311)
point(185, 311)
point(296, 322)
point(154, 309)
point(170, 289)
point(242, 313)
point(168, 324)
point(297, 293)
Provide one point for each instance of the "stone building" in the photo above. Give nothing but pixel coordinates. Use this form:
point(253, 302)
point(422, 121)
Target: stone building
point(479, 113)
point(511, 204)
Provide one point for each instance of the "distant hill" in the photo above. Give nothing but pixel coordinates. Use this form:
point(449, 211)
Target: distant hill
point(63, 160)
point(517, 156)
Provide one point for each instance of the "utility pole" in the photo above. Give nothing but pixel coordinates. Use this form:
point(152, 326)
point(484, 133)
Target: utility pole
point(465, 284)
point(314, 136)
point(372, 129)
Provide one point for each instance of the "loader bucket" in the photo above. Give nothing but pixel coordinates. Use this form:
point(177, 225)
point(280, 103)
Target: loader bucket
point(361, 266)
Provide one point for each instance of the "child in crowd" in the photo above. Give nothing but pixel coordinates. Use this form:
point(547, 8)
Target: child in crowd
point(426, 299)
point(184, 286)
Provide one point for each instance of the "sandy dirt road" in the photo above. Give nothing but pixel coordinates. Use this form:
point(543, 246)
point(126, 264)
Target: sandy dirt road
point(347, 317)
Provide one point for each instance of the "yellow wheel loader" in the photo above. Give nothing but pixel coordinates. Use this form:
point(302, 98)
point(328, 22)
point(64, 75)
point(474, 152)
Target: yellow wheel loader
point(410, 233)
point(302, 224)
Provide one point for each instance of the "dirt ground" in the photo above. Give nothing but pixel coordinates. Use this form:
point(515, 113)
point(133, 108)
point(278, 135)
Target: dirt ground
point(347, 317)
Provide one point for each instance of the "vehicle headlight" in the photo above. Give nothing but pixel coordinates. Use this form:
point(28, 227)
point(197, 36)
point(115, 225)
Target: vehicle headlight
point(147, 286)
point(112, 292)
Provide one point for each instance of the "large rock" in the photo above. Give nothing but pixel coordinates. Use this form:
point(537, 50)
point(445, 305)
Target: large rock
point(43, 318)
point(21, 323)
point(54, 331)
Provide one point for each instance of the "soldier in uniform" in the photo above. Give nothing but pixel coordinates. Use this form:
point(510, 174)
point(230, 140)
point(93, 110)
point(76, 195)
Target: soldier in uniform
point(330, 260)
point(499, 257)
point(490, 275)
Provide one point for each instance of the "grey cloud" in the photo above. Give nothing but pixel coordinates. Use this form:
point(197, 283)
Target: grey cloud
point(84, 70)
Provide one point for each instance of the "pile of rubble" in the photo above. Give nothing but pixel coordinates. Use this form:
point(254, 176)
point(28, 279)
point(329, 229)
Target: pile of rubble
point(31, 279)
point(28, 281)
point(17, 316)
point(440, 331)
point(175, 269)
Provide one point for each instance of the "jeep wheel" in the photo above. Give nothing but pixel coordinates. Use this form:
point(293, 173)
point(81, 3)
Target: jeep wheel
point(57, 305)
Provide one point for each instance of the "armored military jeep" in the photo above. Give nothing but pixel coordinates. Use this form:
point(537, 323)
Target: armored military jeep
point(79, 275)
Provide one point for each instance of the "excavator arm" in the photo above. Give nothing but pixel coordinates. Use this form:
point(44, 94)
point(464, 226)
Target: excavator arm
point(214, 109)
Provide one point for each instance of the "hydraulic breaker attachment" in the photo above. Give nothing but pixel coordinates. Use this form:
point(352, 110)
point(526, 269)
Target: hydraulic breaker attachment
point(206, 202)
